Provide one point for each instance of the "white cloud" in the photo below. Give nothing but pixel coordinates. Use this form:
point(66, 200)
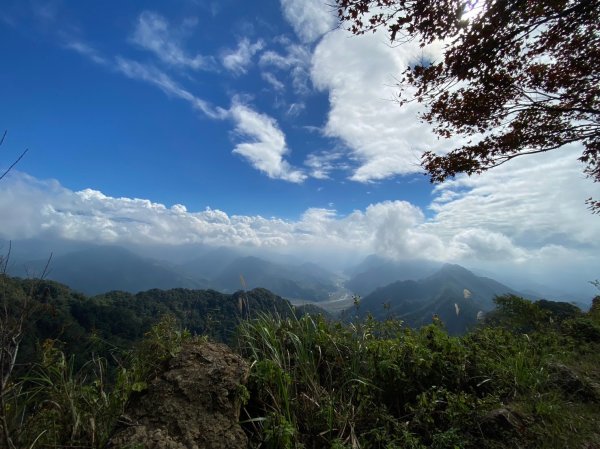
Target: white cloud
point(267, 146)
point(465, 230)
point(154, 33)
point(322, 164)
point(485, 245)
point(295, 109)
point(295, 61)
point(148, 74)
point(86, 50)
point(156, 77)
point(47, 208)
point(44, 208)
point(309, 18)
point(536, 200)
point(238, 60)
point(359, 75)
point(273, 81)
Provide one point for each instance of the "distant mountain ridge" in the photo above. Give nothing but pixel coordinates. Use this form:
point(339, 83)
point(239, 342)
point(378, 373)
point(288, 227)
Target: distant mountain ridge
point(375, 272)
point(453, 293)
point(295, 282)
point(96, 269)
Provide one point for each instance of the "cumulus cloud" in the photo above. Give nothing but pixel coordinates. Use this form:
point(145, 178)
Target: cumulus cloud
point(45, 208)
point(309, 18)
point(267, 147)
point(532, 212)
point(566, 255)
point(485, 245)
point(154, 33)
point(385, 139)
point(238, 60)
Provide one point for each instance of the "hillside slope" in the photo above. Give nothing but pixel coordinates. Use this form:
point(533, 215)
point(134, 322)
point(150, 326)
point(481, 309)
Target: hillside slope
point(453, 293)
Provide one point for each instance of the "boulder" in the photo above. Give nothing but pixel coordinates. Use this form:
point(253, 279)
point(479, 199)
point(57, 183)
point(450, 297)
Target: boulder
point(193, 404)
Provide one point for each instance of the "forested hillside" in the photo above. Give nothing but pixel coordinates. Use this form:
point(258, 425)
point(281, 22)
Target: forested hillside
point(526, 376)
point(83, 325)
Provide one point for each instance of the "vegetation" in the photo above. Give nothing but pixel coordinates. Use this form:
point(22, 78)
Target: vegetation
point(96, 325)
point(514, 78)
point(528, 377)
point(375, 384)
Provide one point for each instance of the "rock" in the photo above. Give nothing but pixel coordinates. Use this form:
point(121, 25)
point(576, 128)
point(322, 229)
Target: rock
point(193, 404)
point(501, 420)
point(573, 384)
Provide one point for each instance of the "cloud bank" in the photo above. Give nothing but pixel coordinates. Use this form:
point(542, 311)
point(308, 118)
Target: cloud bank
point(524, 220)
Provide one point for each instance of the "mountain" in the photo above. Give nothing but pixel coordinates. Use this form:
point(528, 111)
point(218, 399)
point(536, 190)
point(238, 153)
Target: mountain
point(210, 263)
point(118, 319)
point(93, 269)
point(305, 281)
point(453, 293)
point(375, 272)
point(24, 251)
point(99, 268)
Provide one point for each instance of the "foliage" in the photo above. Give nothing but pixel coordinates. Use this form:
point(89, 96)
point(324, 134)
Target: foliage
point(96, 325)
point(16, 310)
point(60, 405)
point(527, 378)
point(515, 77)
point(518, 314)
point(370, 384)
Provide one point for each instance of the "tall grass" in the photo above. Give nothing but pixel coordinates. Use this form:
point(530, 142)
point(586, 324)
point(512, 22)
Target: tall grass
point(320, 384)
point(61, 406)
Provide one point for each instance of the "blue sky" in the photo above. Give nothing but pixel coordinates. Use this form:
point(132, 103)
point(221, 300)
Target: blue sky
point(258, 124)
point(90, 124)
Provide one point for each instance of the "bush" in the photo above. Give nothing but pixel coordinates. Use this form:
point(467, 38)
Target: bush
point(320, 384)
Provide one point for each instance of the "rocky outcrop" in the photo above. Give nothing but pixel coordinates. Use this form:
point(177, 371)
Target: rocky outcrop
point(193, 404)
point(573, 384)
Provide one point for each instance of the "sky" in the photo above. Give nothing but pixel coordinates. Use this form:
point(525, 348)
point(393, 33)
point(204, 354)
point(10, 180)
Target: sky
point(261, 125)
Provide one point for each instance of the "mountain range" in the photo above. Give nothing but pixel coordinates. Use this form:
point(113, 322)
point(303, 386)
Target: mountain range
point(97, 269)
point(454, 294)
point(413, 290)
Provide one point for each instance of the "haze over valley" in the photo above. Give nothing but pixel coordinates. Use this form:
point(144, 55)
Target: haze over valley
point(414, 289)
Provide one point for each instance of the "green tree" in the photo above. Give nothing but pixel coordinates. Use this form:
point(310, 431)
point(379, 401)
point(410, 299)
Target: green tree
point(517, 77)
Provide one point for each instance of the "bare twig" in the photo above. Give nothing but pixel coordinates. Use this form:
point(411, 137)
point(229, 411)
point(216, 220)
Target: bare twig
point(14, 163)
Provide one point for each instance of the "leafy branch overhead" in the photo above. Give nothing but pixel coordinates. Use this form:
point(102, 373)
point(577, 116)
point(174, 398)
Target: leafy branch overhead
point(517, 77)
